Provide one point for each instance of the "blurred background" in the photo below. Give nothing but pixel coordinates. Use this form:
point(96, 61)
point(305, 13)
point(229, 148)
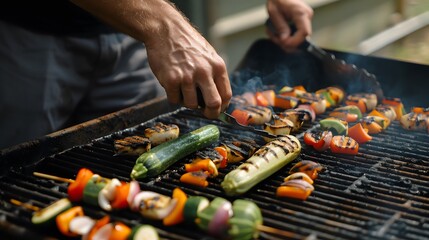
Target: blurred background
point(397, 29)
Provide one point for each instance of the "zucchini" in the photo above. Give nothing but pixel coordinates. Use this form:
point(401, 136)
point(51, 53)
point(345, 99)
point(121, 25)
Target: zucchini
point(264, 162)
point(46, 216)
point(143, 232)
point(193, 206)
point(245, 221)
point(159, 158)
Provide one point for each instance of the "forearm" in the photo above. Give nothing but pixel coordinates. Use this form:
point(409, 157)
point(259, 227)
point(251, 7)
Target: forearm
point(145, 20)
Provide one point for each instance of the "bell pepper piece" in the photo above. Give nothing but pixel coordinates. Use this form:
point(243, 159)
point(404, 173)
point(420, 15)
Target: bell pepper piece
point(319, 140)
point(120, 231)
point(299, 175)
point(308, 167)
point(63, 220)
point(204, 164)
point(285, 102)
point(75, 189)
point(344, 145)
point(297, 188)
point(335, 125)
point(224, 153)
point(358, 133)
point(241, 116)
point(121, 196)
point(270, 95)
point(397, 105)
point(198, 178)
point(99, 224)
point(261, 100)
point(176, 216)
point(371, 125)
point(345, 116)
point(360, 103)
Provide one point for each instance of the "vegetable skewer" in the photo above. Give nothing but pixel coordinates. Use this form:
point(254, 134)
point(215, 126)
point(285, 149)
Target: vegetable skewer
point(182, 214)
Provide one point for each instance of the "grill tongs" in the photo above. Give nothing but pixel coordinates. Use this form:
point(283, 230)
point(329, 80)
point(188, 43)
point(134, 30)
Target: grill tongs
point(337, 71)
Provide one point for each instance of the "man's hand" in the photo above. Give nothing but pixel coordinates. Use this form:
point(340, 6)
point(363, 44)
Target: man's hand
point(182, 60)
point(283, 12)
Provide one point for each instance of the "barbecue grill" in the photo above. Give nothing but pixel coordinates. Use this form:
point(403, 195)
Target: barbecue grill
point(382, 193)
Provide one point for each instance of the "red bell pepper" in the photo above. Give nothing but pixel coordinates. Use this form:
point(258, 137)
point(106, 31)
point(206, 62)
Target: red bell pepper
point(358, 133)
point(319, 140)
point(75, 189)
point(344, 145)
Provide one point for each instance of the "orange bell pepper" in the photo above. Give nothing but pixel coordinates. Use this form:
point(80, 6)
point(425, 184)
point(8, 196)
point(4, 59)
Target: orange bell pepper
point(204, 164)
point(285, 102)
point(358, 133)
point(120, 200)
point(224, 153)
point(75, 189)
point(176, 216)
point(344, 145)
point(373, 127)
point(360, 103)
point(397, 105)
point(63, 220)
point(198, 178)
point(308, 167)
point(100, 223)
point(241, 116)
point(296, 188)
point(120, 231)
point(261, 100)
point(270, 95)
point(345, 116)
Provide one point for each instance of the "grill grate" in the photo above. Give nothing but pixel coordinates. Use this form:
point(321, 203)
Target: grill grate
point(382, 193)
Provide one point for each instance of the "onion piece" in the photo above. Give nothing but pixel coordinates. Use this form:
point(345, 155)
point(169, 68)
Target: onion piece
point(153, 205)
point(134, 190)
point(104, 232)
point(107, 194)
point(81, 225)
point(219, 222)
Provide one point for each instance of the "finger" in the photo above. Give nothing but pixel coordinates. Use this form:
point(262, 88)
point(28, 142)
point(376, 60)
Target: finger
point(222, 83)
point(303, 26)
point(189, 94)
point(212, 100)
point(281, 26)
point(174, 94)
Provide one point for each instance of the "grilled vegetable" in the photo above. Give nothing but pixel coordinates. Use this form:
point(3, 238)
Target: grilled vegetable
point(214, 218)
point(107, 194)
point(280, 127)
point(161, 133)
point(300, 176)
point(316, 102)
point(246, 218)
point(134, 145)
point(162, 156)
point(176, 216)
point(121, 196)
point(270, 95)
point(153, 205)
point(384, 110)
point(285, 102)
point(358, 133)
point(252, 115)
point(93, 188)
point(310, 114)
point(197, 178)
point(344, 145)
point(204, 165)
point(296, 188)
point(350, 109)
point(193, 206)
point(261, 100)
point(267, 160)
point(81, 225)
point(319, 140)
point(308, 167)
point(336, 126)
point(397, 105)
point(63, 220)
point(143, 232)
point(119, 231)
point(415, 121)
point(224, 157)
point(370, 99)
point(370, 124)
point(296, 117)
point(46, 216)
point(75, 189)
point(94, 233)
point(333, 95)
point(358, 102)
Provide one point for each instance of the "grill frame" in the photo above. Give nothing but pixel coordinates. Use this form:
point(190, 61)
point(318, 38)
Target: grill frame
point(341, 193)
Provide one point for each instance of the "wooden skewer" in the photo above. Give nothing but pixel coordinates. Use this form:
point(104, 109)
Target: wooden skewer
point(25, 205)
point(276, 231)
point(52, 177)
point(261, 228)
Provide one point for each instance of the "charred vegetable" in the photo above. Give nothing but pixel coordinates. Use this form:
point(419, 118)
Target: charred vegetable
point(267, 160)
point(161, 133)
point(134, 145)
point(162, 156)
